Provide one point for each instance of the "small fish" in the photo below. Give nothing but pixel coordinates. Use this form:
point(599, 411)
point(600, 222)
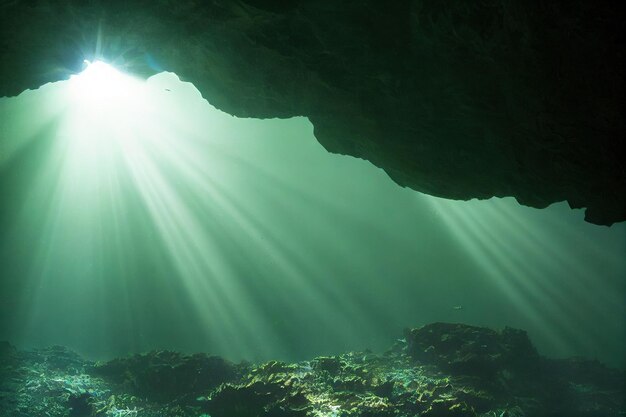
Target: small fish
point(457, 308)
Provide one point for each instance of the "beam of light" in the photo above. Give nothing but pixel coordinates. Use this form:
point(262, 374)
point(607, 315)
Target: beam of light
point(109, 130)
point(145, 218)
point(552, 291)
point(35, 112)
point(119, 157)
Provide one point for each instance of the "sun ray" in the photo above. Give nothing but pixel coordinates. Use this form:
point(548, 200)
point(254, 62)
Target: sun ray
point(161, 222)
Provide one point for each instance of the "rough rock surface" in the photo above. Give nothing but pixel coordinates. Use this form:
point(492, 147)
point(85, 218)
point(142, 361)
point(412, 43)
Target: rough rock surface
point(457, 99)
point(441, 370)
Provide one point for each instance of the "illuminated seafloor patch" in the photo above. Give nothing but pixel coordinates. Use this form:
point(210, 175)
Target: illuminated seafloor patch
point(437, 370)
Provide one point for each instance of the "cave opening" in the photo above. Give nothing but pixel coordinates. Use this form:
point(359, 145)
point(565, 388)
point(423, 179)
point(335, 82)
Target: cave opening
point(160, 221)
point(139, 217)
point(310, 208)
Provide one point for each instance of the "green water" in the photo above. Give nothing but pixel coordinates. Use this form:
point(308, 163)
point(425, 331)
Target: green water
point(161, 222)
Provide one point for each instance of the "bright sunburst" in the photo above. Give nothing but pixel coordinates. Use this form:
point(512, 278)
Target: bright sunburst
point(102, 85)
point(101, 98)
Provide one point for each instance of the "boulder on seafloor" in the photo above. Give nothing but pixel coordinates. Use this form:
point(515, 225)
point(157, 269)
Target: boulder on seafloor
point(258, 398)
point(164, 375)
point(469, 350)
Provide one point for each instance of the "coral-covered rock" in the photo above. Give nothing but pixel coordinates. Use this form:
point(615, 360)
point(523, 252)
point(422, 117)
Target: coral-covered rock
point(469, 350)
point(442, 371)
point(163, 375)
point(257, 399)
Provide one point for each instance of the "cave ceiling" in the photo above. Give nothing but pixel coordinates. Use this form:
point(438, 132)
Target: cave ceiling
point(458, 99)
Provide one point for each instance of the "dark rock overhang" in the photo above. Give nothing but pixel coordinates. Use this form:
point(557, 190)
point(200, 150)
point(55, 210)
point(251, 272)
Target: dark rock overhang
point(457, 99)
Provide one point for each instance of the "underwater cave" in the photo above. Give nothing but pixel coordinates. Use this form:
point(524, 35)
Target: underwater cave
point(301, 208)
